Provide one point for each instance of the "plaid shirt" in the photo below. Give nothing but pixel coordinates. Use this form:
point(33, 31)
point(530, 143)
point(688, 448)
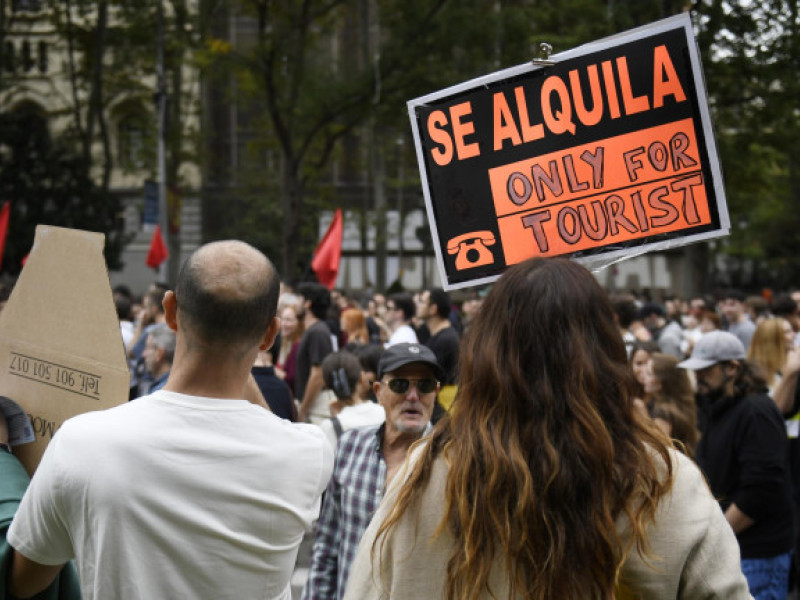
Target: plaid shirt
point(354, 492)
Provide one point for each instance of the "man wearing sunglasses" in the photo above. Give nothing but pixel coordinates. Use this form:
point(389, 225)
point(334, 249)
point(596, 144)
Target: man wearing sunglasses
point(366, 460)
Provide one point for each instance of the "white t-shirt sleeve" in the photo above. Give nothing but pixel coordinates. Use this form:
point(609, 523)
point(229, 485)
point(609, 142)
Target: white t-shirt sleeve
point(330, 433)
point(39, 530)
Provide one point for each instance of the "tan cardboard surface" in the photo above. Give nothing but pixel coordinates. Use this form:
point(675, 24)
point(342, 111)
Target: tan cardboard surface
point(61, 351)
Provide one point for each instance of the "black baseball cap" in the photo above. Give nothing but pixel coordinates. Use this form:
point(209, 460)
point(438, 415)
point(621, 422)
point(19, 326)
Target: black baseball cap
point(398, 355)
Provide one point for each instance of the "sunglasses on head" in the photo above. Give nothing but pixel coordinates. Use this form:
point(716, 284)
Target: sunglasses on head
point(400, 385)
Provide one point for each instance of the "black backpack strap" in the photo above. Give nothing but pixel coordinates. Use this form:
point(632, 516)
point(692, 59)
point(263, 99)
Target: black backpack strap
point(337, 427)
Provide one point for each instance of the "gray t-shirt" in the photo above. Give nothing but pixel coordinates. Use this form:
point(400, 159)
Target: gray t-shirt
point(743, 330)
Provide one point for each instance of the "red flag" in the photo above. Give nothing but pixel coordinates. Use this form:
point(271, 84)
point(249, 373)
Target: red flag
point(329, 252)
point(5, 214)
point(158, 252)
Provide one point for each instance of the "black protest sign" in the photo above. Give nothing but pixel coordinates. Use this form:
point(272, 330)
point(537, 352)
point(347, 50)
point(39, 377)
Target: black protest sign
point(606, 153)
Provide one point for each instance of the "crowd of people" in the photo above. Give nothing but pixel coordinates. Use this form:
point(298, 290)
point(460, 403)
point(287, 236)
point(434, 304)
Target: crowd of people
point(534, 439)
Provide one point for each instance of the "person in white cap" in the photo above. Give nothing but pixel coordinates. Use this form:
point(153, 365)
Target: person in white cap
point(743, 453)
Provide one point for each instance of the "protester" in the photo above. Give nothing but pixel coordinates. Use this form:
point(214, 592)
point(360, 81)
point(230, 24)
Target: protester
point(784, 306)
point(126, 328)
point(738, 322)
point(315, 345)
point(758, 308)
point(400, 310)
point(353, 324)
point(743, 453)
point(769, 349)
point(191, 492)
point(159, 352)
point(277, 394)
point(13, 482)
point(152, 315)
point(626, 314)
point(668, 334)
point(640, 355)
point(434, 309)
point(670, 400)
point(366, 462)
point(470, 306)
point(291, 333)
point(710, 321)
point(369, 355)
point(341, 372)
point(542, 483)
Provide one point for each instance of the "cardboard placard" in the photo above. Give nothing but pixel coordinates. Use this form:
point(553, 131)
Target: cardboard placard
point(604, 154)
point(61, 351)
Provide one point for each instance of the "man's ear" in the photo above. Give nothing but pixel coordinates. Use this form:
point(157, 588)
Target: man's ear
point(376, 387)
point(270, 334)
point(170, 305)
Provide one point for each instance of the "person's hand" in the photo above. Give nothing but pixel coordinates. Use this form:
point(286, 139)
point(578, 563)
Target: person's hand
point(792, 362)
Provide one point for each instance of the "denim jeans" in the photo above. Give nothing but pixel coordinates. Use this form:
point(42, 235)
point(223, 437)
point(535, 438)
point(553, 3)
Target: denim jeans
point(768, 578)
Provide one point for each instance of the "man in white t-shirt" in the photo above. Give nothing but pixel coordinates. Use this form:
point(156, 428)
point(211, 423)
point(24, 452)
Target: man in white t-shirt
point(191, 492)
point(400, 309)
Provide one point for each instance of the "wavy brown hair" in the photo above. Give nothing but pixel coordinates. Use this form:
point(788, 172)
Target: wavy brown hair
point(676, 391)
point(768, 348)
point(543, 449)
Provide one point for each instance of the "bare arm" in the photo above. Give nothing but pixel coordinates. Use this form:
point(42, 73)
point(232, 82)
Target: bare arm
point(737, 519)
point(313, 388)
point(28, 577)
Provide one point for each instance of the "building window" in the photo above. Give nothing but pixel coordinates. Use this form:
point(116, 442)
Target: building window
point(26, 6)
point(131, 138)
point(27, 56)
point(42, 57)
point(9, 57)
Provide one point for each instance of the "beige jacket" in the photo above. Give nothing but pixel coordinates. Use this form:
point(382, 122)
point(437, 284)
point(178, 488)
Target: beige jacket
point(695, 552)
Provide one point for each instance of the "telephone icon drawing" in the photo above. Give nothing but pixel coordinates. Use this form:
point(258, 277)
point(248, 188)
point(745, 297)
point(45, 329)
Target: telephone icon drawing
point(472, 249)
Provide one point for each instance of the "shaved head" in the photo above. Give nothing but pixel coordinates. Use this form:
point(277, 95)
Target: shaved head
point(227, 293)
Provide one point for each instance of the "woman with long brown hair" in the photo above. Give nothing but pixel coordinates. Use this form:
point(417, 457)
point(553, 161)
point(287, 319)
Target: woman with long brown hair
point(670, 400)
point(542, 483)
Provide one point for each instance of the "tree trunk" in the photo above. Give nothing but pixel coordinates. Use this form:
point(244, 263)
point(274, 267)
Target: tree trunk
point(292, 203)
point(95, 113)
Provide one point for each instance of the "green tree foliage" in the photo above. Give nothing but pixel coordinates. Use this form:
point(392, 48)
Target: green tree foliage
point(752, 64)
point(326, 80)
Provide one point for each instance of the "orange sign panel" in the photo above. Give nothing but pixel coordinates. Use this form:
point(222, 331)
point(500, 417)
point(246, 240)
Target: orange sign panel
point(615, 190)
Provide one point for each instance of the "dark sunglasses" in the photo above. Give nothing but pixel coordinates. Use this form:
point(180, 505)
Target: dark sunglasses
point(400, 385)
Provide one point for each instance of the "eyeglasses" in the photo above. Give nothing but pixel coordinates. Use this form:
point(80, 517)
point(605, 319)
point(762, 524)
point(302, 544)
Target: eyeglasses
point(400, 385)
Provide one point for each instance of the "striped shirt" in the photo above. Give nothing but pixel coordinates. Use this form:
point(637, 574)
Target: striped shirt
point(353, 494)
